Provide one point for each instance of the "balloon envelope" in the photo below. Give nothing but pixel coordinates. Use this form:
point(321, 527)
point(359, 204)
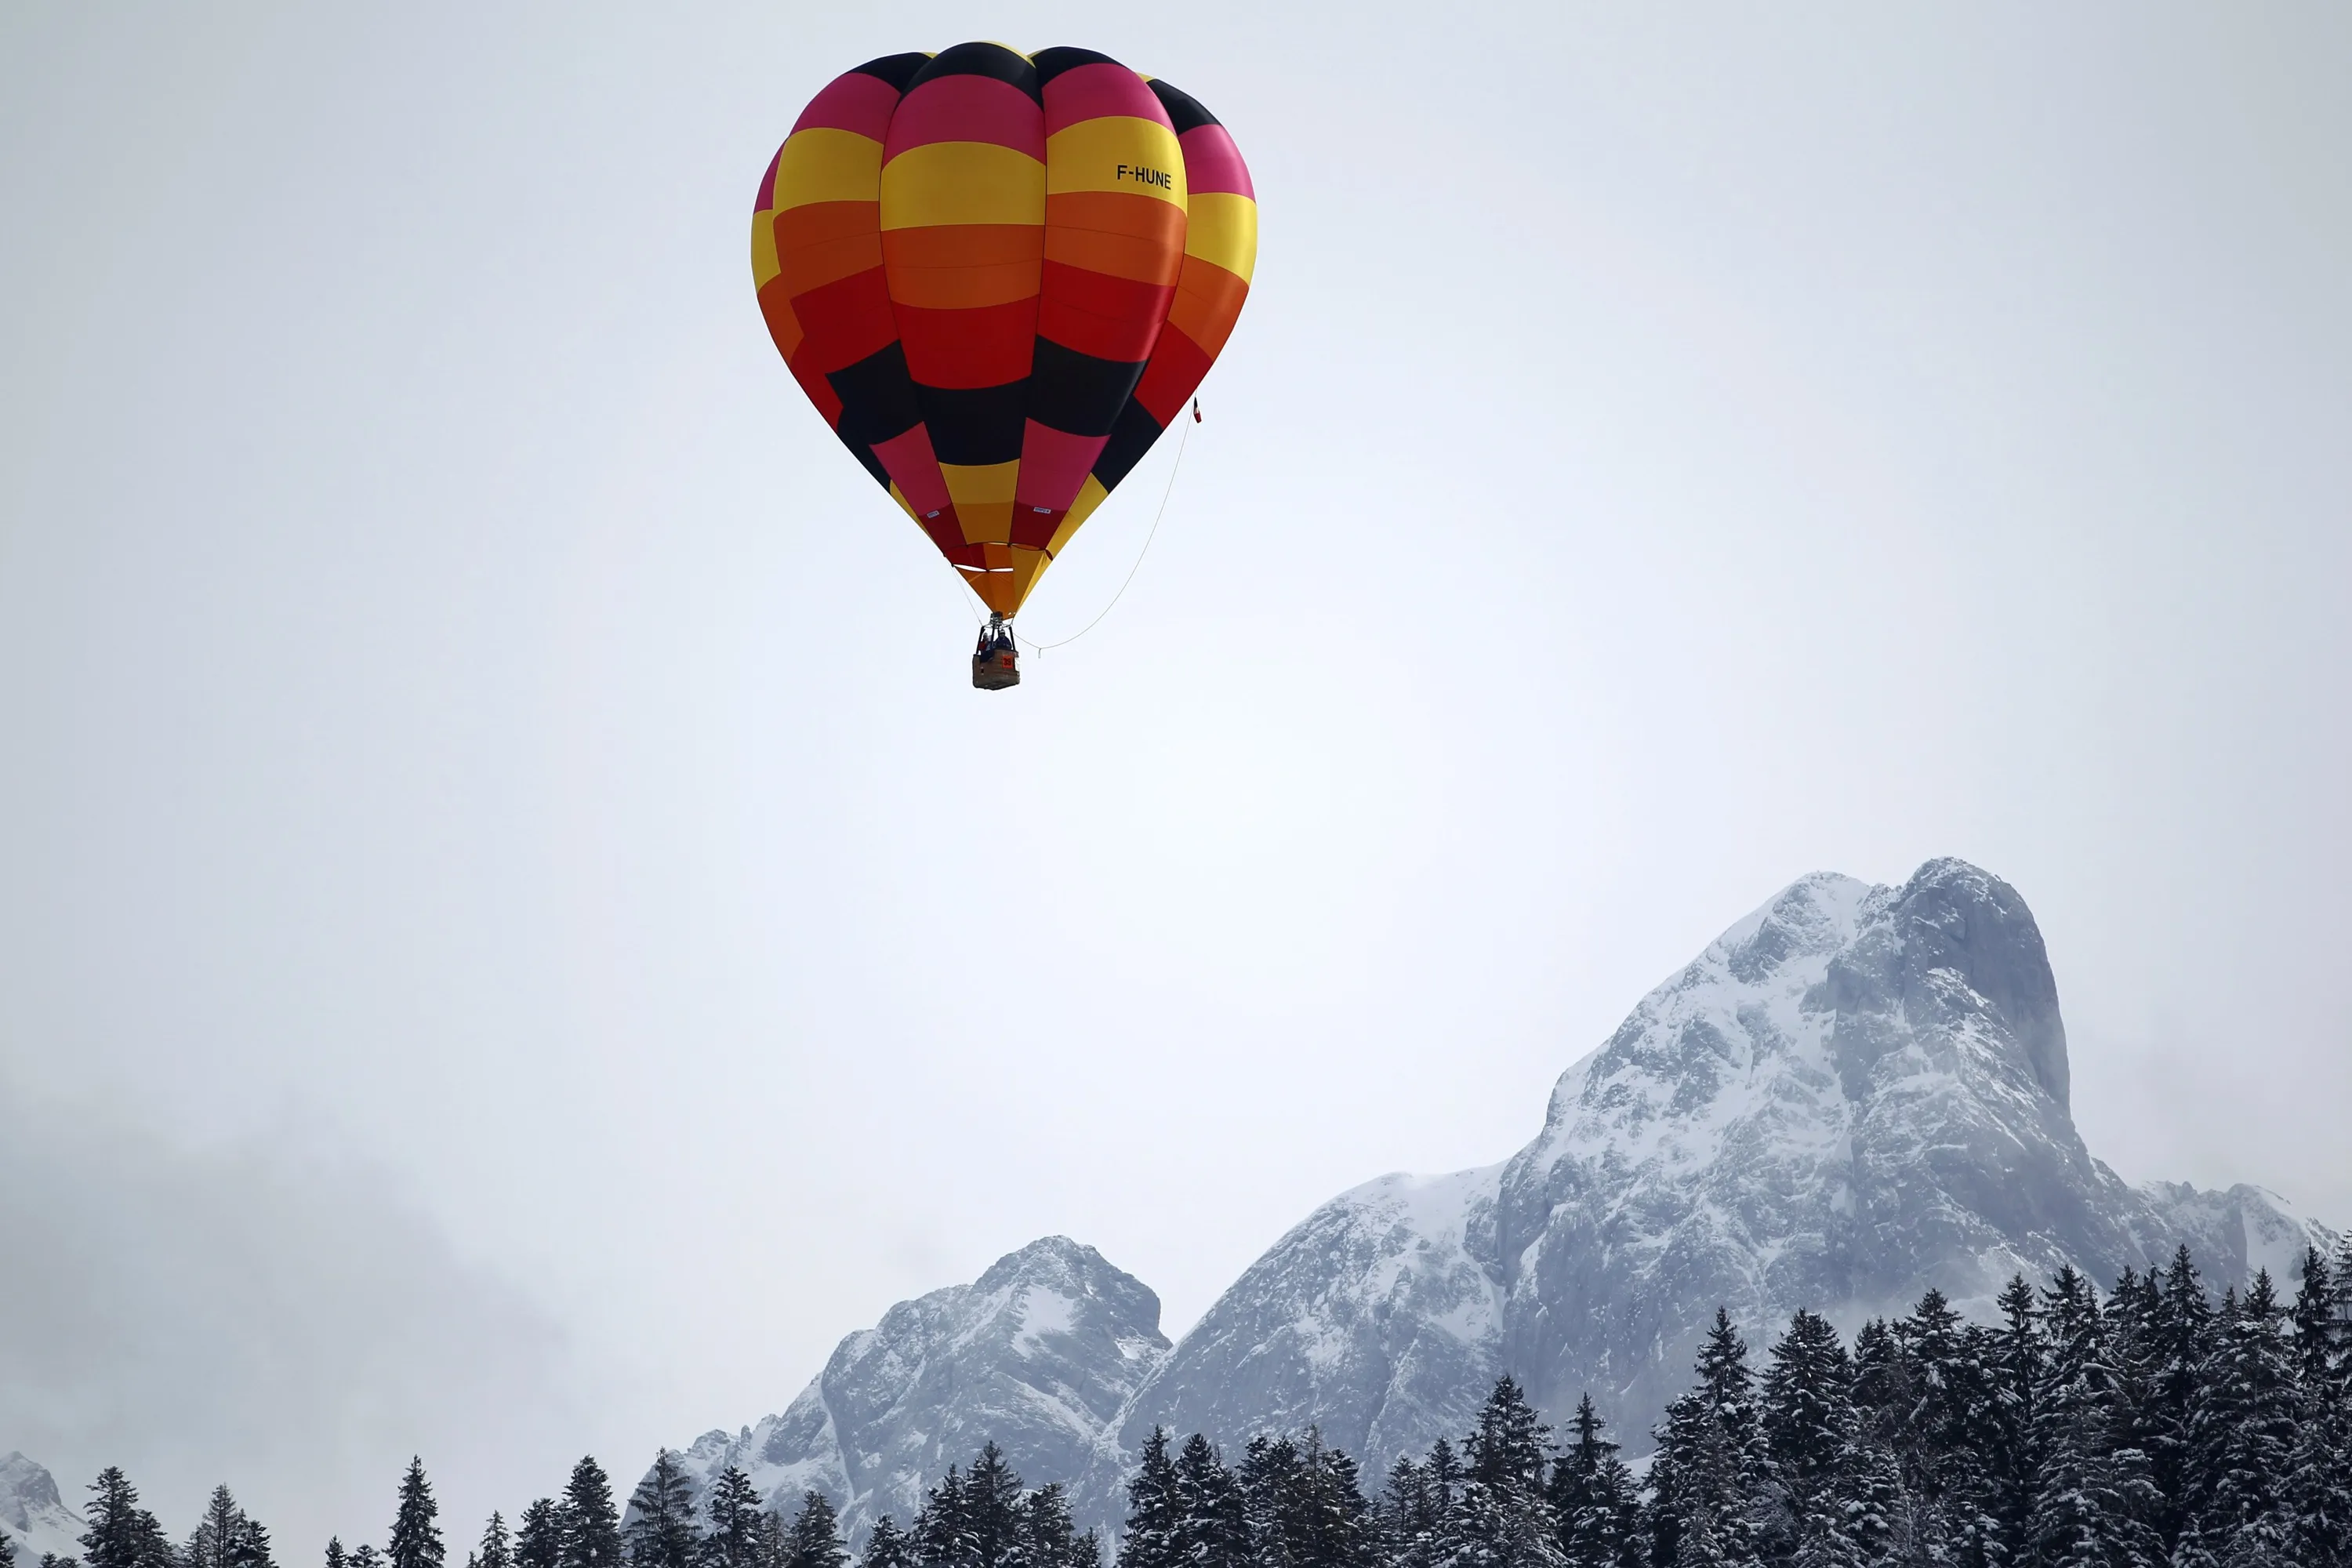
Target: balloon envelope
point(999, 277)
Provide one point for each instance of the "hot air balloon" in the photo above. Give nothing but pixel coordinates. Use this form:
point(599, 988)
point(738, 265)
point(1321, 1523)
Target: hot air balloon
point(1000, 277)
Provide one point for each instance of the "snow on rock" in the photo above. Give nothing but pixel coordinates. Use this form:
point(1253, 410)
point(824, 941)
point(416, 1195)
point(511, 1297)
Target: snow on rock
point(1853, 1094)
point(1040, 1353)
point(33, 1516)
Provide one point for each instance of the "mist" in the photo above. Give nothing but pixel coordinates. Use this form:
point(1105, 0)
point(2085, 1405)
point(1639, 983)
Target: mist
point(516, 933)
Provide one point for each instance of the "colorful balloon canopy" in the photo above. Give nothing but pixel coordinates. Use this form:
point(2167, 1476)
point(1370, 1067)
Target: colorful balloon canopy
point(1000, 277)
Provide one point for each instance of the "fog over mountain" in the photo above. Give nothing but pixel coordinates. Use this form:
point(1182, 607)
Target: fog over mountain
point(1854, 1093)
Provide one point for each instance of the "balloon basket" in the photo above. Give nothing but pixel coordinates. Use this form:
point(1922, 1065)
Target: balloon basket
point(996, 662)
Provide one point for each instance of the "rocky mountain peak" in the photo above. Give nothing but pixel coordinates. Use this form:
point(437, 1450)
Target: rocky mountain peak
point(31, 1514)
point(1854, 1093)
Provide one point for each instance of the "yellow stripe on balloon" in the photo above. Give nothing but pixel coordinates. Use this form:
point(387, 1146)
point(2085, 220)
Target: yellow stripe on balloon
point(962, 181)
point(821, 164)
point(1222, 228)
point(1116, 153)
point(763, 249)
point(1091, 496)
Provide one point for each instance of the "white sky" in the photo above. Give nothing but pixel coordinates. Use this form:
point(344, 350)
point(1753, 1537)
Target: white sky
point(490, 784)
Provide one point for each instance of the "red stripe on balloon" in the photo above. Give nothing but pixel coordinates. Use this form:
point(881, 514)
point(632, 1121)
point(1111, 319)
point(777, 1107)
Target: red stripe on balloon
point(967, 108)
point(855, 102)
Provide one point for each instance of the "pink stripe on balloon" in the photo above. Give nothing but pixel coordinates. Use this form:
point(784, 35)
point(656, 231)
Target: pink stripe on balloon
point(1053, 464)
point(854, 101)
point(1212, 164)
point(915, 469)
point(967, 108)
point(1090, 92)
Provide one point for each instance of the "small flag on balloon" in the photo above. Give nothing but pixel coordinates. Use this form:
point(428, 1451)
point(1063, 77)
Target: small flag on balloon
point(1196, 411)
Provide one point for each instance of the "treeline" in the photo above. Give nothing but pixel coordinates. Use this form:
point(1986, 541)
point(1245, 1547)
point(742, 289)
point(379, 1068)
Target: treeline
point(2155, 1428)
point(2151, 1428)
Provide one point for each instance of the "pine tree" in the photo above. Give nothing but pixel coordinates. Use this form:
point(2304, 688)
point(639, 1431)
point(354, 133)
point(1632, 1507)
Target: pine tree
point(1337, 1530)
point(1714, 1497)
point(733, 1510)
point(335, 1558)
point(1270, 1479)
point(940, 1537)
point(2094, 1504)
point(366, 1556)
point(2241, 1438)
point(121, 1533)
point(660, 1529)
point(1810, 1427)
point(1405, 1518)
point(2017, 1375)
point(7, 1551)
point(2182, 1333)
point(224, 1537)
point(1154, 1511)
point(2319, 1469)
point(592, 1526)
point(1211, 1532)
point(540, 1534)
point(1595, 1498)
point(814, 1540)
point(886, 1546)
point(416, 1535)
point(496, 1550)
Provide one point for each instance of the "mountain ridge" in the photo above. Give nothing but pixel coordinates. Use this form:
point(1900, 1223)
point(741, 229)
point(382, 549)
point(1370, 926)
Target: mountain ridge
point(1855, 1092)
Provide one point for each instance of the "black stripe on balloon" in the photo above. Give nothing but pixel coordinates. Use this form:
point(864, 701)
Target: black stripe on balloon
point(1130, 439)
point(877, 397)
point(1078, 393)
point(1052, 63)
point(868, 461)
point(991, 60)
point(1185, 111)
point(896, 70)
point(975, 424)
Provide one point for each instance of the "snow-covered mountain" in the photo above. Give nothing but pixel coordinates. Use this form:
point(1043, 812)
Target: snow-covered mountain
point(1041, 1354)
point(35, 1518)
point(1854, 1093)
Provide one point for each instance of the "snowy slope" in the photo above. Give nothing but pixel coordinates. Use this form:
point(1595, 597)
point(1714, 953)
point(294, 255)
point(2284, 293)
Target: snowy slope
point(33, 1516)
point(1854, 1093)
point(1039, 1353)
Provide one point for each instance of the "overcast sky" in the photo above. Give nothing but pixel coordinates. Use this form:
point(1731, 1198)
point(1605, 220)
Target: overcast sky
point(516, 933)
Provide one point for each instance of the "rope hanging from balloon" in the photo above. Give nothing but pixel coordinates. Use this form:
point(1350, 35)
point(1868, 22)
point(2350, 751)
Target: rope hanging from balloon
point(1181, 440)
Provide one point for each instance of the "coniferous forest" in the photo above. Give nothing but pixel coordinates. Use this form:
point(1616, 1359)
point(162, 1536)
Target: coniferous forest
point(2150, 1427)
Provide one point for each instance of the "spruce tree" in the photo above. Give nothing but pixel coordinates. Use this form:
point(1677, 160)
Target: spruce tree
point(1594, 1498)
point(2319, 1469)
point(2181, 1337)
point(1211, 1532)
point(1337, 1529)
point(335, 1558)
point(886, 1546)
point(592, 1526)
point(993, 1522)
point(1405, 1518)
point(7, 1551)
point(119, 1533)
point(539, 1535)
point(814, 1539)
point(2241, 1438)
point(660, 1529)
point(224, 1537)
point(415, 1534)
point(732, 1513)
point(1270, 1478)
point(939, 1536)
point(1154, 1511)
point(496, 1550)
point(365, 1556)
point(2093, 1503)
point(1810, 1427)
